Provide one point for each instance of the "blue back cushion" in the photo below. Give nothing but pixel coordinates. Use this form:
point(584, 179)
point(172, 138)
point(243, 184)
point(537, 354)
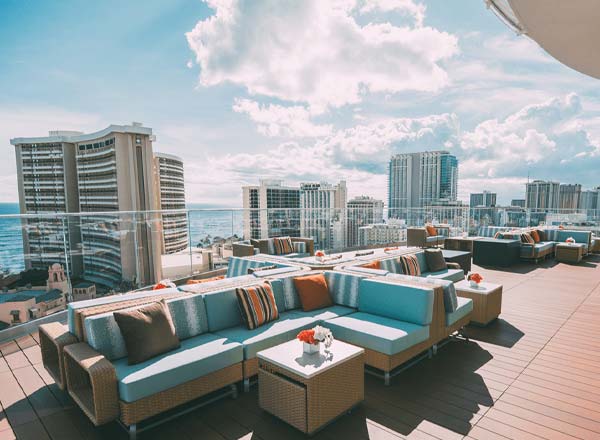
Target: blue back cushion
point(396, 301)
point(390, 265)
point(222, 309)
point(277, 286)
point(239, 266)
point(188, 315)
point(579, 236)
point(343, 288)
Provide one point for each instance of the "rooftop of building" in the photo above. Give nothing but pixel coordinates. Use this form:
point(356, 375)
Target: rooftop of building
point(76, 137)
point(26, 295)
point(530, 375)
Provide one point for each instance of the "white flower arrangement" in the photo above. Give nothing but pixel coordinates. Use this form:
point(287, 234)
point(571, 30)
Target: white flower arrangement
point(323, 335)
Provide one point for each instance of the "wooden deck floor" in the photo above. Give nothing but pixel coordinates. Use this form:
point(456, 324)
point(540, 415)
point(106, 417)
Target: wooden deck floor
point(535, 373)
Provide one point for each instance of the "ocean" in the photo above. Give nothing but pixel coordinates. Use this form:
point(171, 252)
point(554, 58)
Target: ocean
point(205, 226)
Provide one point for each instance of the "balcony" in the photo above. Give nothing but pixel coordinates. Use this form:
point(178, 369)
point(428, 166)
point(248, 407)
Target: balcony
point(530, 373)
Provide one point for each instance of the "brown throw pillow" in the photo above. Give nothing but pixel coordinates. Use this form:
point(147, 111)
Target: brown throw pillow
point(373, 265)
point(435, 260)
point(148, 331)
point(534, 234)
point(313, 292)
point(431, 231)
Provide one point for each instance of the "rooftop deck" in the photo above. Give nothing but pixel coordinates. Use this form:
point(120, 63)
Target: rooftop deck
point(534, 373)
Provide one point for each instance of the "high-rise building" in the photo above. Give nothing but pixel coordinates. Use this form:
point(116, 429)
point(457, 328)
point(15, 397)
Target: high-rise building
point(590, 199)
point(485, 198)
point(322, 207)
point(170, 191)
point(518, 202)
point(542, 195)
point(95, 174)
point(361, 211)
point(271, 209)
point(569, 195)
point(47, 184)
point(421, 179)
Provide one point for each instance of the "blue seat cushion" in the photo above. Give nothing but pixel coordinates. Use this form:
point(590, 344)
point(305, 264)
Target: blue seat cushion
point(433, 238)
point(385, 335)
point(453, 275)
point(268, 335)
point(325, 314)
point(465, 306)
point(397, 301)
point(197, 357)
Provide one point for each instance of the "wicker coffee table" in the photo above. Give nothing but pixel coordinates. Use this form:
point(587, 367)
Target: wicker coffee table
point(310, 390)
point(569, 253)
point(487, 300)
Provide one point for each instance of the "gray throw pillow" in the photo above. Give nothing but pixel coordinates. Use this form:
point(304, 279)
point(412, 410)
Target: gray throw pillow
point(147, 331)
point(435, 260)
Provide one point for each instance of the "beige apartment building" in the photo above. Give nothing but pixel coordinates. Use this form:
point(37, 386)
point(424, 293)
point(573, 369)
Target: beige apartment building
point(95, 174)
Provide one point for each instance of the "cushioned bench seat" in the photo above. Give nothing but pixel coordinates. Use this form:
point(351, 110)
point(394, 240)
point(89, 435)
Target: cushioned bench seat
point(268, 335)
point(197, 356)
point(453, 275)
point(325, 314)
point(465, 306)
point(378, 333)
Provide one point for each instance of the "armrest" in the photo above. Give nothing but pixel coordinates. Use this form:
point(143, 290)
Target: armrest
point(242, 250)
point(54, 337)
point(453, 265)
point(92, 383)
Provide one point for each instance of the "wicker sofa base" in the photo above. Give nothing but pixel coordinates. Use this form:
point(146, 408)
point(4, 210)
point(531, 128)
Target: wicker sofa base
point(54, 337)
point(135, 412)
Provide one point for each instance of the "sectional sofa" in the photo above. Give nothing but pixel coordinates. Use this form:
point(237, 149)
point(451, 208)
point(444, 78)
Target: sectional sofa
point(303, 247)
point(391, 265)
point(549, 237)
point(393, 319)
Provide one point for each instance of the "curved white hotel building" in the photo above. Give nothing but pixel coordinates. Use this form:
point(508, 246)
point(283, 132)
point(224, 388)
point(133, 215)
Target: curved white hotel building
point(171, 196)
point(97, 173)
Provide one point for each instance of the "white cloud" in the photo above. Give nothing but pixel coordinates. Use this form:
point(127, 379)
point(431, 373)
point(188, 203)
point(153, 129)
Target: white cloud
point(275, 120)
point(315, 52)
point(408, 7)
point(508, 47)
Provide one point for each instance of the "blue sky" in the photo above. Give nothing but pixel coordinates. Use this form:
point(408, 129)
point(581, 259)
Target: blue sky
point(301, 91)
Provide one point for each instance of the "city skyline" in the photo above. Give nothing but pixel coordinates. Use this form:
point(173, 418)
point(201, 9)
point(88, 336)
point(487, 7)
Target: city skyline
point(462, 95)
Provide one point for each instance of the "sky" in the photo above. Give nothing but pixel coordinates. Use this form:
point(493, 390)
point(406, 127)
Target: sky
point(300, 91)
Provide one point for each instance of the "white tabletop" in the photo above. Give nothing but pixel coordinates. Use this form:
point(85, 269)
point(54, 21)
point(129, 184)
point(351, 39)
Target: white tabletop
point(573, 245)
point(291, 357)
point(482, 288)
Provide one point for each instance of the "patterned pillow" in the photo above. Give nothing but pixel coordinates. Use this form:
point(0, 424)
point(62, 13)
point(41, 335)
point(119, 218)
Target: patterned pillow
point(526, 238)
point(257, 305)
point(283, 245)
point(410, 265)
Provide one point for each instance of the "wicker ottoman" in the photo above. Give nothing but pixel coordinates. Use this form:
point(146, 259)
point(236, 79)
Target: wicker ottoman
point(487, 300)
point(310, 390)
point(569, 253)
point(54, 337)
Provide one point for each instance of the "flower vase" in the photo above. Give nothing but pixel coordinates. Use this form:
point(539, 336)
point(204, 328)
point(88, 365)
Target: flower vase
point(310, 348)
point(474, 284)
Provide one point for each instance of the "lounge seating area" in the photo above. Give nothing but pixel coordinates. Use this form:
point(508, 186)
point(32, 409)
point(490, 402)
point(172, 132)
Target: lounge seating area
point(399, 320)
point(290, 247)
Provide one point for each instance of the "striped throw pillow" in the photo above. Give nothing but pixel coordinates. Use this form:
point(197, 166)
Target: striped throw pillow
point(410, 265)
point(283, 245)
point(257, 305)
point(527, 239)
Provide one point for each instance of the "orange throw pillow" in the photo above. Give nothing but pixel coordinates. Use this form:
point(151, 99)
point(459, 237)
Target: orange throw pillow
point(373, 265)
point(536, 237)
point(205, 280)
point(431, 231)
point(313, 292)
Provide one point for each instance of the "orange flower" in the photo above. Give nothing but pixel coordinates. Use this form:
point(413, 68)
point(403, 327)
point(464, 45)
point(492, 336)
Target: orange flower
point(319, 254)
point(476, 277)
point(307, 336)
